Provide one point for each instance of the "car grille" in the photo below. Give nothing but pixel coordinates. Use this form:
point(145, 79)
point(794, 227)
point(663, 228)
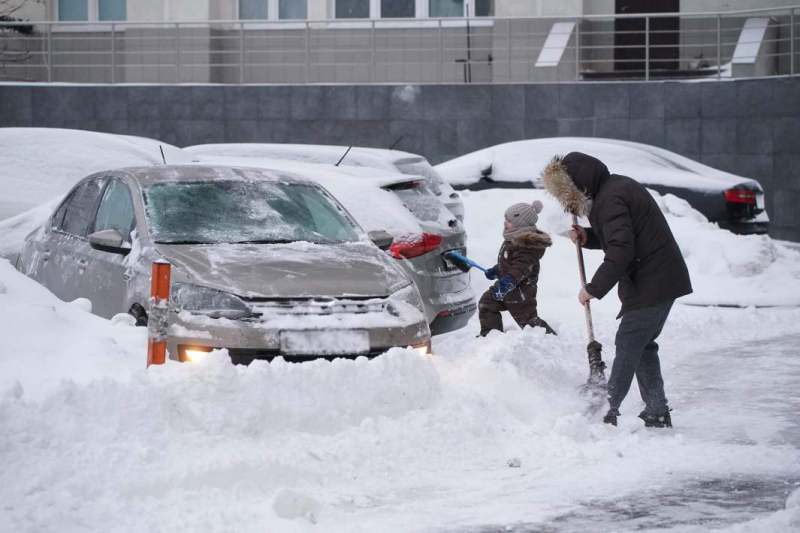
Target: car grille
point(317, 306)
point(244, 356)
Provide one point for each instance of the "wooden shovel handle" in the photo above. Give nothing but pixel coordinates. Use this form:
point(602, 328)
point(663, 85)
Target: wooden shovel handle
point(582, 268)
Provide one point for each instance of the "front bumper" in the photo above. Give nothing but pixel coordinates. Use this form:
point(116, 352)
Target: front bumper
point(247, 340)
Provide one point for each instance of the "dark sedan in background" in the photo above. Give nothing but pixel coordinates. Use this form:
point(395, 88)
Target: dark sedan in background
point(733, 202)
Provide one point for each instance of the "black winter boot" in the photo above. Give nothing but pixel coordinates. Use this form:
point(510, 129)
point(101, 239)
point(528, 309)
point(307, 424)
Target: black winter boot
point(538, 322)
point(656, 421)
point(611, 417)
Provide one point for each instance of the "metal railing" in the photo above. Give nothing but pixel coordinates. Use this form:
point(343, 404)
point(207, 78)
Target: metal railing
point(478, 50)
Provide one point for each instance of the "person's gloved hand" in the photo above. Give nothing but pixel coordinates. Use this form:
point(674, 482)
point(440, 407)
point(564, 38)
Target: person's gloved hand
point(492, 273)
point(503, 286)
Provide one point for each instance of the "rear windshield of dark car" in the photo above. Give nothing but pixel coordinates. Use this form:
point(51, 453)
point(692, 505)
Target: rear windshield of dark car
point(244, 211)
point(419, 199)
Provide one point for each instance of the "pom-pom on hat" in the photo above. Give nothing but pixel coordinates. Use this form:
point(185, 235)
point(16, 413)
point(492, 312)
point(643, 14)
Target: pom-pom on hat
point(524, 215)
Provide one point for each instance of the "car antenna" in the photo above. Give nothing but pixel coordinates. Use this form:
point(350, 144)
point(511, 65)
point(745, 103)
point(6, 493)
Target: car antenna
point(396, 142)
point(345, 155)
point(164, 159)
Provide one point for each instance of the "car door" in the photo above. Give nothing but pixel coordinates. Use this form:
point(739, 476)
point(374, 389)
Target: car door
point(109, 271)
point(65, 272)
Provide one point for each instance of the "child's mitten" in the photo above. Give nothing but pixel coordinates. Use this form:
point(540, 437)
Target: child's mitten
point(492, 273)
point(503, 286)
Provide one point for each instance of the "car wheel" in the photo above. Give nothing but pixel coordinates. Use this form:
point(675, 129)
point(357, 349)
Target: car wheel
point(138, 312)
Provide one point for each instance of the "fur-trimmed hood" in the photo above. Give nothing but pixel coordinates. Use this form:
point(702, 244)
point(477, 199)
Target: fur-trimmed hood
point(531, 239)
point(574, 181)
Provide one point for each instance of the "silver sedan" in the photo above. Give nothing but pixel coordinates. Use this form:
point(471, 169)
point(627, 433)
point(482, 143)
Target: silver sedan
point(264, 263)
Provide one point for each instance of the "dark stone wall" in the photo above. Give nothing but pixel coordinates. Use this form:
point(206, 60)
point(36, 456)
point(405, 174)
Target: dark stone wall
point(748, 127)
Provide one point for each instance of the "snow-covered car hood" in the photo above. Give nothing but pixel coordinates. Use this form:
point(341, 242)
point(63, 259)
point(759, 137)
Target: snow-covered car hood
point(522, 161)
point(295, 270)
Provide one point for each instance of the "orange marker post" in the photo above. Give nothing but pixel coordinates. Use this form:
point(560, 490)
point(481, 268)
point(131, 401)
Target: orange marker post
point(158, 319)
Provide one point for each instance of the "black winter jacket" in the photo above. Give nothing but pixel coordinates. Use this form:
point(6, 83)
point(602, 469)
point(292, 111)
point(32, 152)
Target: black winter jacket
point(641, 253)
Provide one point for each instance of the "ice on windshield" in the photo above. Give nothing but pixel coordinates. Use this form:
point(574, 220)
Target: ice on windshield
point(243, 211)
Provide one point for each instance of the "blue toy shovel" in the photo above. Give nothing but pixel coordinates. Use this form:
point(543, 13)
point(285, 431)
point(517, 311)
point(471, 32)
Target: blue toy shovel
point(463, 263)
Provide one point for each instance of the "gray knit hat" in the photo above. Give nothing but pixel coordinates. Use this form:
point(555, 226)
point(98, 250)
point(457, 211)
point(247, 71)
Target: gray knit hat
point(524, 215)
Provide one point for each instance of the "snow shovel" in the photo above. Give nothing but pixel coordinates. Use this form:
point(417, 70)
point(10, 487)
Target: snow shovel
point(595, 386)
point(462, 263)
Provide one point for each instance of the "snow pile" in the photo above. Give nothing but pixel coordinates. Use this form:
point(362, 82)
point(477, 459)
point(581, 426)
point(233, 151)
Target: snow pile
point(729, 269)
point(522, 161)
point(93, 441)
point(46, 340)
point(14, 230)
point(41, 164)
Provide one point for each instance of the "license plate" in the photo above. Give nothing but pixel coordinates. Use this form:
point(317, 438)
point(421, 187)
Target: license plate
point(760, 201)
point(329, 342)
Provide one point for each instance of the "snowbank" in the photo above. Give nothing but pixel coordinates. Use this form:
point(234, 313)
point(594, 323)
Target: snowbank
point(522, 161)
point(92, 441)
point(40, 164)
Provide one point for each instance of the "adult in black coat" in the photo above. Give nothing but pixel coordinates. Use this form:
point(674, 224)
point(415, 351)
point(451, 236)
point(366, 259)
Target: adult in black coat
point(641, 255)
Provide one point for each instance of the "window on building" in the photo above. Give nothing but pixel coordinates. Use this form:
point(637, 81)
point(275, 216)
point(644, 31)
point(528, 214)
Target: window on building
point(352, 9)
point(484, 8)
point(112, 10)
point(73, 10)
point(253, 10)
point(446, 8)
point(293, 9)
point(398, 9)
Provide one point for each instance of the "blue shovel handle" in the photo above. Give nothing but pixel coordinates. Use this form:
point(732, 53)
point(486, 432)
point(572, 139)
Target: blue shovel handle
point(470, 262)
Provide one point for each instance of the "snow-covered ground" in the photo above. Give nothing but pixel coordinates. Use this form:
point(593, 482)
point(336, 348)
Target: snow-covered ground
point(90, 441)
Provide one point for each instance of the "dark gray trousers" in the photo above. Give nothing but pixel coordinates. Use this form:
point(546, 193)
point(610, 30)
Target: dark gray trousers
point(637, 354)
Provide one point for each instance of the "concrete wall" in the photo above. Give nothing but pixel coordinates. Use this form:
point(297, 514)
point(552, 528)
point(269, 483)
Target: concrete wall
point(748, 127)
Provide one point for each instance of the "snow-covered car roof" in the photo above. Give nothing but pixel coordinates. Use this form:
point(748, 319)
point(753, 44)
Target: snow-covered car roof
point(522, 161)
point(39, 164)
point(381, 158)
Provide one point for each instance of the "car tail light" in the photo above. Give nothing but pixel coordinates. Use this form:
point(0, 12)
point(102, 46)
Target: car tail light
point(427, 242)
point(740, 196)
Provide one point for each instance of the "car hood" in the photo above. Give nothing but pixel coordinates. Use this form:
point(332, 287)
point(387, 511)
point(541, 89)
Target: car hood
point(295, 270)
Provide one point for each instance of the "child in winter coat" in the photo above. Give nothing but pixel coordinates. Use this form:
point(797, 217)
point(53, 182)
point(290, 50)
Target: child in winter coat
point(516, 271)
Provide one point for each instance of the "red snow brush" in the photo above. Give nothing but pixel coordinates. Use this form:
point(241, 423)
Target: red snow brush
point(595, 386)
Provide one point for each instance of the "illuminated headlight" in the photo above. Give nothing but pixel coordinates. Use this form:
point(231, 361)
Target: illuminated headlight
point(422, 349)
point(194, 354)
point(207, 301)
point(407, 297)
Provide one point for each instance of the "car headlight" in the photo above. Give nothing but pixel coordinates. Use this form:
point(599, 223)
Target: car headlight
point(207, 301)
point(404, 301)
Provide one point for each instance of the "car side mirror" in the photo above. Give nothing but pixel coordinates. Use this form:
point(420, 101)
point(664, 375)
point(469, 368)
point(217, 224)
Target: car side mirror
point(109, 240)
point(382, 239)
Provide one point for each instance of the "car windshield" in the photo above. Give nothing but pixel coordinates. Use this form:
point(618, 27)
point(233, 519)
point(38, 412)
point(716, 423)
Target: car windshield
point(244, 211)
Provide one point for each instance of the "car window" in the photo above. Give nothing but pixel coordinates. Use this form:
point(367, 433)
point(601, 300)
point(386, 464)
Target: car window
point(59, 216)
point(419, 199)
point(80, 208)
point(116, 210)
